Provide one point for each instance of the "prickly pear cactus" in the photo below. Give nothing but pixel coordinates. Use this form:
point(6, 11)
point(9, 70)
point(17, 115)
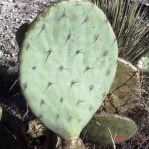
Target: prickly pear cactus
point(78, 144)
point(68, 62)
point(125, 92)
point(99, 128)
point(4, 115)
point(143, 63)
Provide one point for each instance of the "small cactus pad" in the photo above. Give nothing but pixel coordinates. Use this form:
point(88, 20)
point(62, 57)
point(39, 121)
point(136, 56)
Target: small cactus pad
point(125, 92)
point(100, 128)
point(143, 63)
point(5, 116)
point(68, 62)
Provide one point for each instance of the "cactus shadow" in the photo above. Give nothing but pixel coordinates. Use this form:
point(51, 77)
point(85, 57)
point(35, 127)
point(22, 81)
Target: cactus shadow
point(10, 93)
point(12, 99)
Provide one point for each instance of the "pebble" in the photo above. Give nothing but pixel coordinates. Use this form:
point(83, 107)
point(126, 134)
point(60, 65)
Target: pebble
point(1, 53)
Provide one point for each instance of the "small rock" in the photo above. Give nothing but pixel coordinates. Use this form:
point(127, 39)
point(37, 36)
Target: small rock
point(1, 53)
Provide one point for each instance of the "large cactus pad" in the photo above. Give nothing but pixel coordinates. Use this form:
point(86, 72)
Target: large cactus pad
point(68, 63)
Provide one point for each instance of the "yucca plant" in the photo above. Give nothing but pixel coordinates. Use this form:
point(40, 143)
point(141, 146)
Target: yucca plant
point(130, 26)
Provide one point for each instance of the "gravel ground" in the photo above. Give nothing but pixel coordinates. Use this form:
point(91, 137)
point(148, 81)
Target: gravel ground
point(13, 14)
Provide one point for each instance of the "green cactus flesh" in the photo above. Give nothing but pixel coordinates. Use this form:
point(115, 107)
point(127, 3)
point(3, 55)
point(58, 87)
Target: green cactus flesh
point(68, 62)
point(146, 63)
point(125, 92)
point(100, 128)
point(5, 116)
